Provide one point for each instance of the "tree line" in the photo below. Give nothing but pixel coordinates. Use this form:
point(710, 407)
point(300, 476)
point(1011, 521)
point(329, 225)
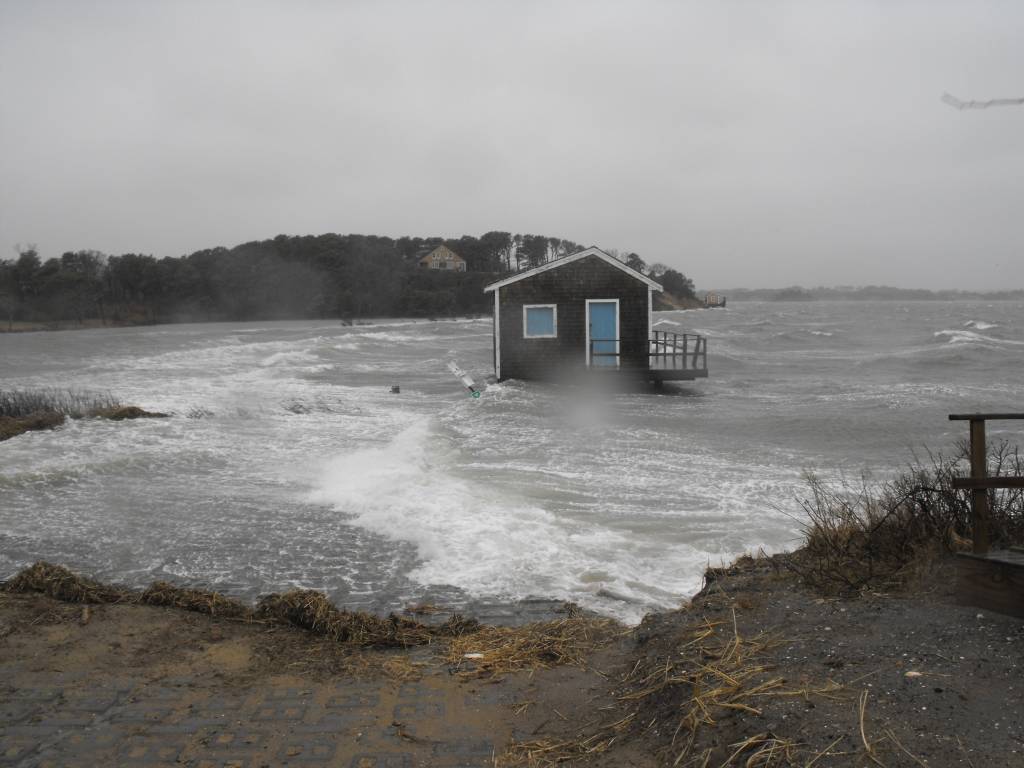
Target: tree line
point(286, 277)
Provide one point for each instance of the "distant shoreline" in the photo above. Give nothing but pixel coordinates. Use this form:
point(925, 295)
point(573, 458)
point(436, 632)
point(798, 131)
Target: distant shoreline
point(93, 324)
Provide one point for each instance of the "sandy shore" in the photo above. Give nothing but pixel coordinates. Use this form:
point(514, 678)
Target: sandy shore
point(757, 671)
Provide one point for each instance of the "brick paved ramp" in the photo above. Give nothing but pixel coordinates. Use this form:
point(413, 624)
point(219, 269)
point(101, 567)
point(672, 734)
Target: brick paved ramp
point(149, 687)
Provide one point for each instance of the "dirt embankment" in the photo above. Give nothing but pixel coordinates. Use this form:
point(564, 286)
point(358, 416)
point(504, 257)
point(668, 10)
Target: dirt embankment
point(667, 302)
point(761, 671)
point(757, 671)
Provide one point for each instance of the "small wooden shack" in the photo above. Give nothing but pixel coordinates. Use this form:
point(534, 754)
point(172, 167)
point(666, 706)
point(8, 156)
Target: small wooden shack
point(587, 311)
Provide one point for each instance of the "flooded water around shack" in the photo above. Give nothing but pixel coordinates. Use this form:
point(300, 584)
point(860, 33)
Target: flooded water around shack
point(289, 462)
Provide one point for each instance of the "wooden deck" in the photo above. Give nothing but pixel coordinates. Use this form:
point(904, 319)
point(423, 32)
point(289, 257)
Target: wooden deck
point(678, 356)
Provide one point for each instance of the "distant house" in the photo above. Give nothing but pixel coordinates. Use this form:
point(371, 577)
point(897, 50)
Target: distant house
point(443, 257)
point(712, 299)
point(586, 311)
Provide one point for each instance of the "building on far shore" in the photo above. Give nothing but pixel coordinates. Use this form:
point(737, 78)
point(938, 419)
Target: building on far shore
point(712, 299)
point(443, 257)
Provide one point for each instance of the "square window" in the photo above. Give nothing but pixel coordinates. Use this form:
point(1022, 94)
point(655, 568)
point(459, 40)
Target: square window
point(540, 321)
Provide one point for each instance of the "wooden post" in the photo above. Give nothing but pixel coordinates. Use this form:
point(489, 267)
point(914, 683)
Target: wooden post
point(979, 496)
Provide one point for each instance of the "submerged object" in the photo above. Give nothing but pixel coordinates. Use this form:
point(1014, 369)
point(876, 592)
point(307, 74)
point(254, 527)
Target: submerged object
point(465, 378)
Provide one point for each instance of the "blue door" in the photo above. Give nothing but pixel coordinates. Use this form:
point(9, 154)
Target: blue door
point(603, 333)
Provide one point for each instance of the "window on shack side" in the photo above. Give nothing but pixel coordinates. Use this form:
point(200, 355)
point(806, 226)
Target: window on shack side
point(540, 321)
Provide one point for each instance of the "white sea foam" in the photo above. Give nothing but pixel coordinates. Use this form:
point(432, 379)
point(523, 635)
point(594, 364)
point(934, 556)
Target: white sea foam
point(981, 325)
point(390, 338)
point(959, 336)
point(490, 543)
point(288, 358)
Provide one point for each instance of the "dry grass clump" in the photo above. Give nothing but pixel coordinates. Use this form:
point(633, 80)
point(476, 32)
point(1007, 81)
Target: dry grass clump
point(715, 671)
point(675, 697)
point(880, 536)
point(501, 650)
point(59, 583)
point(198, 600)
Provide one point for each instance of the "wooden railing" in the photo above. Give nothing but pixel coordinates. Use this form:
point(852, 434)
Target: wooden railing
point(979, 482)
point(667, 352)
point(678, 351)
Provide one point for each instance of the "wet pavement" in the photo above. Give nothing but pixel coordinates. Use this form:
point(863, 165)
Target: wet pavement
point(351, 724)
point(179, 689)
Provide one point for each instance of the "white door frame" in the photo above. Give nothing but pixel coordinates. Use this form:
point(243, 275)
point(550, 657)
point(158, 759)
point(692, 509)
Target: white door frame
point(497, 335)
point(618, 340)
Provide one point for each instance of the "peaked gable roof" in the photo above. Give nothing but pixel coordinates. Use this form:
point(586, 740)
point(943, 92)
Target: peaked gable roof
point(441, 250)
point(592, 251)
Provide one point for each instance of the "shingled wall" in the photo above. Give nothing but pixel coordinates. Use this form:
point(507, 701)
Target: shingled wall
point(569, 286)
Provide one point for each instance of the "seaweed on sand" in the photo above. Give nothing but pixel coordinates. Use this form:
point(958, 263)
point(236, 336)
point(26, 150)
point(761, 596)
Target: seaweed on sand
point(312, 610)
point(198, 600)
point(58, 582)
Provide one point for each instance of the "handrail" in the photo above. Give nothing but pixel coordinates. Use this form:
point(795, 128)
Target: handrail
point(673, 351)
point(979, 482)
point(985, 416)
point(594, 354)
point(667, 349)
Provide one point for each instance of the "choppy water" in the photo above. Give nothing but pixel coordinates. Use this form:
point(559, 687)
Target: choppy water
point(290, 463)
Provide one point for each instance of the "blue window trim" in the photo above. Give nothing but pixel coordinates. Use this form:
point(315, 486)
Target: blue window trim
point(554, 322)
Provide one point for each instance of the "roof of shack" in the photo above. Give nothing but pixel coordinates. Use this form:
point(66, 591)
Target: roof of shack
point(592, 251)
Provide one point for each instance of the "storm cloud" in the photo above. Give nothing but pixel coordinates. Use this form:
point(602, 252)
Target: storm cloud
point(754, 144)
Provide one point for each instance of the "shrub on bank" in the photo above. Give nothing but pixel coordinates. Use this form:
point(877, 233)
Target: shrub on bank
point(878, 536)
point(23, 410)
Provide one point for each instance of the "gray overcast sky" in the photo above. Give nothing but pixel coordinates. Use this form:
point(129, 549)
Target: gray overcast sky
point(745, 143)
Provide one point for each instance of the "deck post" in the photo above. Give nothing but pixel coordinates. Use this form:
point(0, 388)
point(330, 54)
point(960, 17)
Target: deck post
point(979, 496)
